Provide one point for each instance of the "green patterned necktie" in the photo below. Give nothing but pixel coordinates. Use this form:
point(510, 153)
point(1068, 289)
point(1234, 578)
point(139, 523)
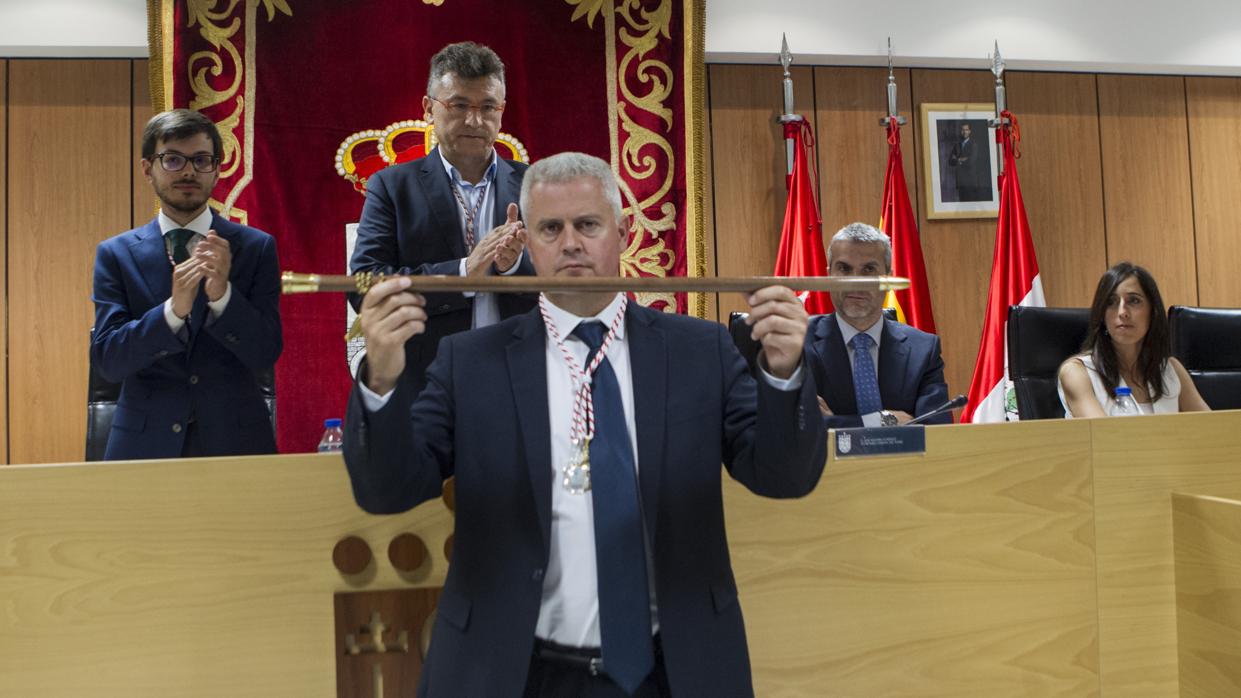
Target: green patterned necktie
point(180, 238)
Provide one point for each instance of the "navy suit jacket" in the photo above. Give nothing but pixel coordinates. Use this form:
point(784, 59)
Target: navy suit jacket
point(411, 225)
point(695, 407)
point(911, 371)
point(209, 376)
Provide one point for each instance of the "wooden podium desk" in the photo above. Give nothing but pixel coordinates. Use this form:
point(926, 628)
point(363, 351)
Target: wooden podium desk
point(1014, 559)
point(1031, 559)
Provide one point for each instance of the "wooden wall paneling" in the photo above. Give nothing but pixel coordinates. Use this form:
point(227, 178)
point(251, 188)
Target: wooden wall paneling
point(1146, 180)
point(4, 227)
point(957, 251)
point(712, 309)
point(853, 146)
point(69, 130)
point(1214, 111)
point(749, 167)
point(1061, 183)
point(145, 204)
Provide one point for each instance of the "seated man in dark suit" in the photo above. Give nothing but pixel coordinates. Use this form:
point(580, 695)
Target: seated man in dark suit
point(586, 438)
point(187, 311)
point(453, 212)
point(871, 371)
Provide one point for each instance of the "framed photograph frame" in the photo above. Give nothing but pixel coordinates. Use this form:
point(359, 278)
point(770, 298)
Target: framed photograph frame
point(959, 161)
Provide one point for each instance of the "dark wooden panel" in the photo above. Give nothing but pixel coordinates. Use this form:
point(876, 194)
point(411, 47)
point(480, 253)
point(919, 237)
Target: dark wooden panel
point(749, 167)
point(69, 135)
point(1214, 109)
point(145, 205)
point(1061, 181)
point(1146, 185)
point(853, 146)
point(712, 310)
point(957, 252)
point(4, 228)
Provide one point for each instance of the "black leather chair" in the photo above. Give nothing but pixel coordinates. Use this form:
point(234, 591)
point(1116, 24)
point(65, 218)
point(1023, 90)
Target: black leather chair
point(101, 397)
point(1039, 340)
point(740, 333)
point(1208, 343)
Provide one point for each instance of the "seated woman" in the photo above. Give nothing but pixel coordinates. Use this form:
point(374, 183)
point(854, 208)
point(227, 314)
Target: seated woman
point(1127, 345)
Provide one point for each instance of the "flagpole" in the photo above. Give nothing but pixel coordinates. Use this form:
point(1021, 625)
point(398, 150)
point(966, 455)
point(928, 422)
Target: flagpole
point(1001, 104)
point(892, 113)
point(786, 59)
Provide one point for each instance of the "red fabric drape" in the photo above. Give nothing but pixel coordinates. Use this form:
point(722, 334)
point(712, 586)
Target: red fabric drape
point(288, 81)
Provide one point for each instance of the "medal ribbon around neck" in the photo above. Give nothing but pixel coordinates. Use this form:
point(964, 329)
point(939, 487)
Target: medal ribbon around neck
point(583, 425)
point(470, 215)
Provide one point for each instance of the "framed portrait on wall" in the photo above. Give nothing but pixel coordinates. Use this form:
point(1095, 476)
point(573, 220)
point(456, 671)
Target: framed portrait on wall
point(959, 158)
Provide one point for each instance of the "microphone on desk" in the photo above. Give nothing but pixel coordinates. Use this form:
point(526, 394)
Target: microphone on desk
point(958, 401)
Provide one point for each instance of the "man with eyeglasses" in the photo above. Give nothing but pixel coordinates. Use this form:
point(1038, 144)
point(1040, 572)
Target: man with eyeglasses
point(187, 311)
point(453, 212)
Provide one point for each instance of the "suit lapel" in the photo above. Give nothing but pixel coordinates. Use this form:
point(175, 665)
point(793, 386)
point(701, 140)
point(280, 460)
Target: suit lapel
point(508, 190)
point(648, 362)
point(893, 361)
point(438, 189)
point(839, 370)
point(151, 257)
point(527, 368)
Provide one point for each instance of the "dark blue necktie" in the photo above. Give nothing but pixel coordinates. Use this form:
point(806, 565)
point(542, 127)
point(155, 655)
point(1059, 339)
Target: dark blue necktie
point(865, 378)
point(180, 238)
point(620, 555)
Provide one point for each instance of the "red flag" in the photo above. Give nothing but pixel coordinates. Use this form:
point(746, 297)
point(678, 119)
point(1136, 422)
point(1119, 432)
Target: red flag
point(913, 305)
point(801, 241)
point(1014, 281)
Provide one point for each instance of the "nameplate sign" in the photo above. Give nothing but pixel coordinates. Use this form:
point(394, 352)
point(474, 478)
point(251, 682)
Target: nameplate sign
point(880, 441)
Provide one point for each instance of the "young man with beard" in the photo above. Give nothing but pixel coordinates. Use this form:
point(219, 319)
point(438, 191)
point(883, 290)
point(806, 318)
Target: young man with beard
point(186, 310)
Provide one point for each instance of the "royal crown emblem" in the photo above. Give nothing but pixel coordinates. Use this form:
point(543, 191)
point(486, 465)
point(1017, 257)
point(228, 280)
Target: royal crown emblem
point(367, 152)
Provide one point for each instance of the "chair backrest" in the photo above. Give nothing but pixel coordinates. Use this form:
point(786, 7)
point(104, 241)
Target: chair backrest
point(1039, 340)
point(101, 397)
point(740, 333)
point(1208, 343)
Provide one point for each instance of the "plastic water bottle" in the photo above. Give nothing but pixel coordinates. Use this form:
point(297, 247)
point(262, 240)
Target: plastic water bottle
point(1124, 405)
point(333, 438)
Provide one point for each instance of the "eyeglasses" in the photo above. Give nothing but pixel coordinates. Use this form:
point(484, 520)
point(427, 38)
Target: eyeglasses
point(461, 109)
point(175, 162)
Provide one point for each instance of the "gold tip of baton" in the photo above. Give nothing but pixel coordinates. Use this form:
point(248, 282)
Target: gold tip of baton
point(292, 282)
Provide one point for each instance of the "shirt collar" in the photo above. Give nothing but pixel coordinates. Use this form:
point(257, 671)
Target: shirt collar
point(201, 223)
point(566, 322)
point(455, 176)
point(847, 331)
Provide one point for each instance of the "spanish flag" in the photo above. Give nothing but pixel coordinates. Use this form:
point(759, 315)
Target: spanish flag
point(801, 242)
point(913, 305)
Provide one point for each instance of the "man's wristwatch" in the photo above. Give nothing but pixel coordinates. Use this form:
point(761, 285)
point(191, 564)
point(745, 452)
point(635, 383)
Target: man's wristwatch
point(887, 419)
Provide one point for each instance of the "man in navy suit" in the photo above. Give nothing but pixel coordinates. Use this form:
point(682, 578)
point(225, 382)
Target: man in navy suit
point(453, 212)
point(187, 311)
point(572, 574)
point(871, 371)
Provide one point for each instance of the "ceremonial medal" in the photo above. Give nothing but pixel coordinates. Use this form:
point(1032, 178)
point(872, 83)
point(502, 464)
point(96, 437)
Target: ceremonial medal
point(577, 472)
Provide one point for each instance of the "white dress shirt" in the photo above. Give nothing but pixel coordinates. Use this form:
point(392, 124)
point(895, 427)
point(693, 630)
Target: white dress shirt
point(201, 225)
point(569, 612)
point(486, 308)
point(847, 333)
